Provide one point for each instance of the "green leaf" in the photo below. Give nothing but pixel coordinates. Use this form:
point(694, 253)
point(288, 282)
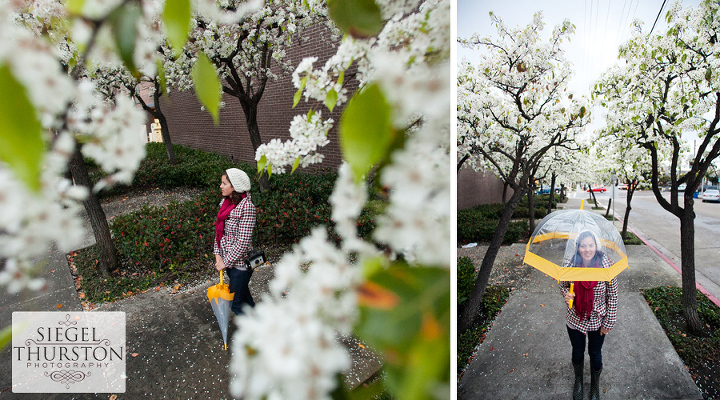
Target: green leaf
point(21, 145)
point(331, 99)
point(341, 77)
point(310, 115)
point(405, 312)
point(123, 23)
point(162, 77)
point(261, 164)
point(207, 85)
point(359, 18)
point(298, 94)
point(75, 6)
point(5, 336)
point(177, 17)
point(295, 164)
point(365, 130)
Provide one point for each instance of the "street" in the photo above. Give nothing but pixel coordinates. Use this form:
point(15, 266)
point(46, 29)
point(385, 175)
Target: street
point(653, 222)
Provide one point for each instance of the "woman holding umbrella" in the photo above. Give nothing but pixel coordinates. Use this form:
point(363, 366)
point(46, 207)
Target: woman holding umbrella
point(594, 314)
point(233, 235)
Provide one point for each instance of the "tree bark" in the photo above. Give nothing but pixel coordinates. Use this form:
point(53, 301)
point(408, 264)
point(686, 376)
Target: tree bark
point(531, 203)
point(552, 193)
point(164, 129)
point(687, 251)
point(607, 211)
point(108, 254)
point(631, 191)
point(592, 195)
point(473, 305)
point(250, 111)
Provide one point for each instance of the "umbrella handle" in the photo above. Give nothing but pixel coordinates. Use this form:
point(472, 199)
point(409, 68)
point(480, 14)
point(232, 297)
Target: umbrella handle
point(221, 277)
point(572, 287)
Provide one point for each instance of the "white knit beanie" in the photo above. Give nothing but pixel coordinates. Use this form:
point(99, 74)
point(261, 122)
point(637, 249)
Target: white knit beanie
point(239, 180)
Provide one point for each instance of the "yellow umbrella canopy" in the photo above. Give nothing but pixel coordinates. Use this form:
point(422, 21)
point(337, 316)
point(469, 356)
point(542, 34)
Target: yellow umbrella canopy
point(220, 300)
point(553, 246)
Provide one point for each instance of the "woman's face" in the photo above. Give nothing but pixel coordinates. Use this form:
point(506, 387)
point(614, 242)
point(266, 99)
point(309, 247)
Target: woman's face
point(587, 249)
point(225, 187)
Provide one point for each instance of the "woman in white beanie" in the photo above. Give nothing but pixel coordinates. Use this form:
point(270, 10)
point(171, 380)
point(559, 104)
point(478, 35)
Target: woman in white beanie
point(233, 234)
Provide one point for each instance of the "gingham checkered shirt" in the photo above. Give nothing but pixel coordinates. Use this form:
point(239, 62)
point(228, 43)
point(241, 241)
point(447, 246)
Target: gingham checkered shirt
point(604, 312)
point(236, 242)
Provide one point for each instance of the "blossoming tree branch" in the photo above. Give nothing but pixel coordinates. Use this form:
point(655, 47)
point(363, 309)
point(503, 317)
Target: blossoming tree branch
point(393, 291)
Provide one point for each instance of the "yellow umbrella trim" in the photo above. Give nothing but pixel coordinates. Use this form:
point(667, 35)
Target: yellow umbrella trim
point(220, 291)
point(573, 273)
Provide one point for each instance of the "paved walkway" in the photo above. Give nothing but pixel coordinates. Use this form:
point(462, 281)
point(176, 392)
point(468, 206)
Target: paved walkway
point(526, 354)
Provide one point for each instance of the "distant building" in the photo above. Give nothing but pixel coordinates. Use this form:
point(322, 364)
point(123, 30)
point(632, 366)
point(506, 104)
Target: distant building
point(475, 188)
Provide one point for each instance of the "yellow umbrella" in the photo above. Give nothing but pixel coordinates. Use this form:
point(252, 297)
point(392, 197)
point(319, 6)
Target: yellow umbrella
point(553, 246)
point(220, 300)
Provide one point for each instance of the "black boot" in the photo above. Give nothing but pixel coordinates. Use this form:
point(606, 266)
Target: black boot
point(578, 387)
point(595, 384)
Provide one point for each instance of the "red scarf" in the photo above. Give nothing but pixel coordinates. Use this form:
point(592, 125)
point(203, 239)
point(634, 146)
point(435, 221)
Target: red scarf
point(584, 298)
point(225, 208)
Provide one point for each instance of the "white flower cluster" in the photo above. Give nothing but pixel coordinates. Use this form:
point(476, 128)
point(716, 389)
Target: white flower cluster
point(117, 142)
point(31, 222)
point(414, 76)
point(307, 135)
point(286, 347)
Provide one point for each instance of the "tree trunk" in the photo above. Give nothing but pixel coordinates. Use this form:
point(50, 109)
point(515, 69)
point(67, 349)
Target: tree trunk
point(250, 111)
point(504, 195)
point(531, 203)
point(552, 193)
point(108, 254)
point(164, 129)
point(687, 255)
point(607, 211)
point(592, 195)
point(473, 305)
point(631, 191)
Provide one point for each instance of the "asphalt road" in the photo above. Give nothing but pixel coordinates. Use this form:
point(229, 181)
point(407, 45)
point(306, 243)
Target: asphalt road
point(652, 221)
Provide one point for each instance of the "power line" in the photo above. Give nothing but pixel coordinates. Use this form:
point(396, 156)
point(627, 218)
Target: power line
point(658, 17)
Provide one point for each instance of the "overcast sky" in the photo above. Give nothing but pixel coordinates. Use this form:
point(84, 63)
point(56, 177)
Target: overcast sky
point(601, 26)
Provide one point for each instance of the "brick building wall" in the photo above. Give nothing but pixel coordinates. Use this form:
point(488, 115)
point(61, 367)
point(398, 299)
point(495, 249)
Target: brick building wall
point(474, 188)
point(193, 127)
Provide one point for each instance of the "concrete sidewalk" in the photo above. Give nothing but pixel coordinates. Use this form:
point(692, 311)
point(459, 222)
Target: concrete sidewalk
point(526, 354)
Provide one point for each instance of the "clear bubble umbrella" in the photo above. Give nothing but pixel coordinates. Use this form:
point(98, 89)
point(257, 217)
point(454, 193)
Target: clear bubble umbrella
point(553, 247)
point(220, 300)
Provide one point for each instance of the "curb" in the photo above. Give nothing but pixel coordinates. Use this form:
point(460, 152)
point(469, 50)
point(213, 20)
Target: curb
point(672, 264)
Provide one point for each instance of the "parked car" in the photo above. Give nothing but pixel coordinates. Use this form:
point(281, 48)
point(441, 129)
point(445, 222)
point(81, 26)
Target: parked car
point(623, 186)
point(546, 190)
point(682, 187)
point(710, 195)
point(600, 189)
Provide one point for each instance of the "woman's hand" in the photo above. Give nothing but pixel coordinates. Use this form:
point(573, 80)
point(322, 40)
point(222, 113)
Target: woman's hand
point(219, 264)
point(604, 331)
point(569, 297)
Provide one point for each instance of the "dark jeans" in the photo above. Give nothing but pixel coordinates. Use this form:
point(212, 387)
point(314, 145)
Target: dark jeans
point(239, 281)
point(595, 342)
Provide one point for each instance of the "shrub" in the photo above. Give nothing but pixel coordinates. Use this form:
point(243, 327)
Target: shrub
point(491, 304)
point(465, 281)
point(194, 168)
point(471, 228)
